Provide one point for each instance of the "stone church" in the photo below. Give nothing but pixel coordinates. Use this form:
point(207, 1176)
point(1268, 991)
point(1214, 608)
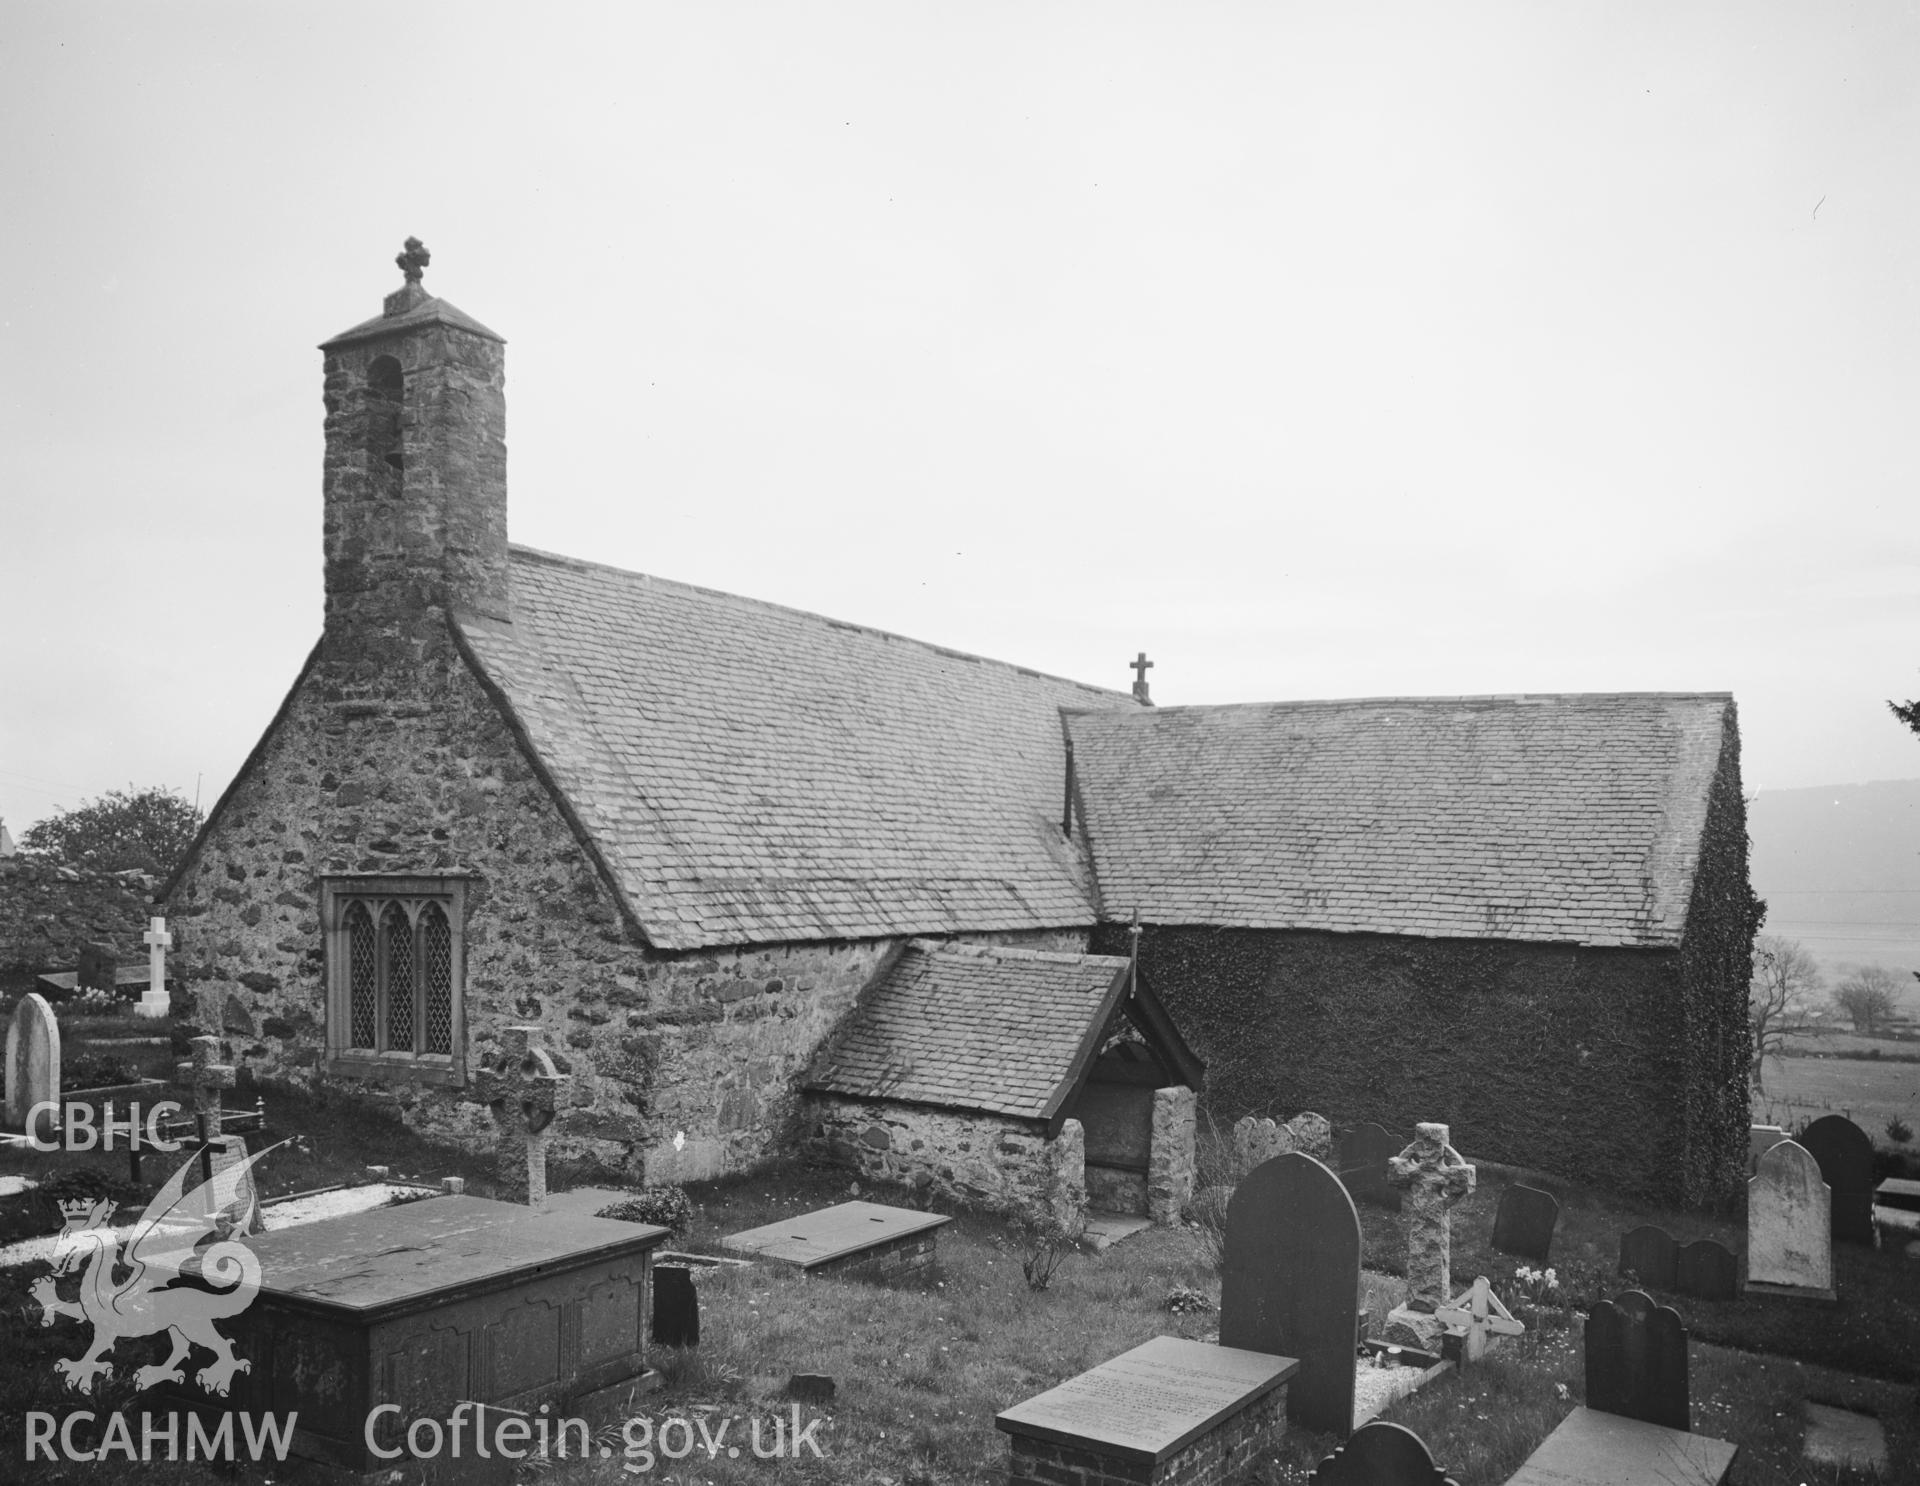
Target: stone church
point(690, 837)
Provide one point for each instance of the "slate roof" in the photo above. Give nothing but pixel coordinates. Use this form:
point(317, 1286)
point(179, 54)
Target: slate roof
point(966, 1027)
point(1573, 819)
point(754, 774)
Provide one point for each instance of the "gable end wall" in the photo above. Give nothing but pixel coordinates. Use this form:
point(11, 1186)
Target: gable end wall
point(391, 757)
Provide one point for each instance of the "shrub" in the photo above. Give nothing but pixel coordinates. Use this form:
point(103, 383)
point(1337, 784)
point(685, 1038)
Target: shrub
point(1899, 1131)
point(666, 1207)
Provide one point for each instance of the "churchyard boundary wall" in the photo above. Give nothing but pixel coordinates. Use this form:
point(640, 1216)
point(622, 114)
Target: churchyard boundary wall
point(47, 911)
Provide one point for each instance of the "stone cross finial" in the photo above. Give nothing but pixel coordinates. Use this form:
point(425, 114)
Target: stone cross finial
point(1140, 666)
point(1435, 1177)
point(518, 1084)
point(414, 261)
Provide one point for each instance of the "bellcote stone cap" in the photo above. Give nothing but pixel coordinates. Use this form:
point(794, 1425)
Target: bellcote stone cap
point(425, 310)
point(410, 306)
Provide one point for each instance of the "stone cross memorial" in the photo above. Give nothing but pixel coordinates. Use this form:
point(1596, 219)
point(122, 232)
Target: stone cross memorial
point(206, 1075)
point(33, 1058)
point(520, 1084)
point(153, 1001)
point(1789, 1226)
point(1290, 1283)
point(1434, 1177)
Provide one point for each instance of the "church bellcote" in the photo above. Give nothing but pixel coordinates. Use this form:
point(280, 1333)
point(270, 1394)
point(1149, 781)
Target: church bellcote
point(416, 464)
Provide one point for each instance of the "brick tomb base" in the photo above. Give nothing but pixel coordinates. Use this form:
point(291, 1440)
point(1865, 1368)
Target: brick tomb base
point(1170, 1411)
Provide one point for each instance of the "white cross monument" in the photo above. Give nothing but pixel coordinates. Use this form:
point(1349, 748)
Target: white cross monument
point(154, 1000)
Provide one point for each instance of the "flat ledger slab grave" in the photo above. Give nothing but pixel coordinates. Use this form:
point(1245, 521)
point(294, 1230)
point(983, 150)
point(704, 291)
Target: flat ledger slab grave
point(433, 1303)
point(1591, 1448)
point(858, 1240)
point(1191, 1411)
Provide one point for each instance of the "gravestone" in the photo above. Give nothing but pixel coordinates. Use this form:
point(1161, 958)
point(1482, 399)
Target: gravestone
point(96, 967)
point(1312, 1135)
point(518, 1083)
point(676, 1307)
point(1381, 1454)
point(1592, 1448)
point(1845, 1156)
point(1707, 1270)
point(1789, 1226)
point(1649, 1257)
point(1364, 1153)
point(1760, 1140)
point(1257, 1141)
point(1290, 1282)
point(33, 1058)
point(1169, 1411)
point(206, 1075)
point(1636, 1355)
point(154, 1001)
point(1434, 1176)
point(1525, 1222)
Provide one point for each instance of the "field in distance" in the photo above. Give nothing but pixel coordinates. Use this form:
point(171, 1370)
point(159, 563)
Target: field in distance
point(1868, 1091)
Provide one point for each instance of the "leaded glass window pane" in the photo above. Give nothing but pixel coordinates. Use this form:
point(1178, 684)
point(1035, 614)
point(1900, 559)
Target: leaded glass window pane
point(436, 978)
point(398, 934)
point(363, 976)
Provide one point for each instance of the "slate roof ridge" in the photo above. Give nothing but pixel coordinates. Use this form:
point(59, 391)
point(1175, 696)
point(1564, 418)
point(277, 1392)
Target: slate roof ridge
point(1015, 952)
point(586, 565)
point(1524, 697)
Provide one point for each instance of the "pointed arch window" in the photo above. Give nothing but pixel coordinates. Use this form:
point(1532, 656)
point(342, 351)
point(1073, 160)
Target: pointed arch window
point(394, 974)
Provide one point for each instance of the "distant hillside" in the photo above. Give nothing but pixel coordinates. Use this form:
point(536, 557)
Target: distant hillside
point(1840, 869)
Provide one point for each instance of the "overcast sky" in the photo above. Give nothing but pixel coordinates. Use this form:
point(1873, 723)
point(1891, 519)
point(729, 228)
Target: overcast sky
point(1320, 351)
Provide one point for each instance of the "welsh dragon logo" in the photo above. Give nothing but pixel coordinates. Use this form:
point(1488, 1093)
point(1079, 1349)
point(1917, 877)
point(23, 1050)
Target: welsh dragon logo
point(181, 1271)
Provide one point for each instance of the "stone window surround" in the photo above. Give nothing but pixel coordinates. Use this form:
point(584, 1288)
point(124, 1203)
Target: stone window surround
point(449, 891)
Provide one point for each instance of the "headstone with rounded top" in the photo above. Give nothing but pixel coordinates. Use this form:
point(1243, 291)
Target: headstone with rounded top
point(1290, 1283)
point(33, 1058)
point(1636, 1359)
point(1312, 1135)
point(1257, 1141)
point(1845, 1156)
point(1789, 1226)
point(1649, 1257)
point(1381, 1454)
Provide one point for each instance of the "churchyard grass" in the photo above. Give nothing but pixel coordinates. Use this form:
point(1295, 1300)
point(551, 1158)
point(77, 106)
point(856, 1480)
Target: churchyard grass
point(922, 1371)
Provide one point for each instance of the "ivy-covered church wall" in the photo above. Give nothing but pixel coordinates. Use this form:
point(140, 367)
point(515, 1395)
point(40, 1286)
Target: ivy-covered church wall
point(1716, 959)
point(1566, 1059)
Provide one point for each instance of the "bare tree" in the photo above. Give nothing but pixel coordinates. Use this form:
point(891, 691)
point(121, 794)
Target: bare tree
point(1866, 996)
point(1786, 981)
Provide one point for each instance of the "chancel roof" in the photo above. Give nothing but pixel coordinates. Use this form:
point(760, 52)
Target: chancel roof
point(1007, 1031)
point(754, 774)
point(1574, 819)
